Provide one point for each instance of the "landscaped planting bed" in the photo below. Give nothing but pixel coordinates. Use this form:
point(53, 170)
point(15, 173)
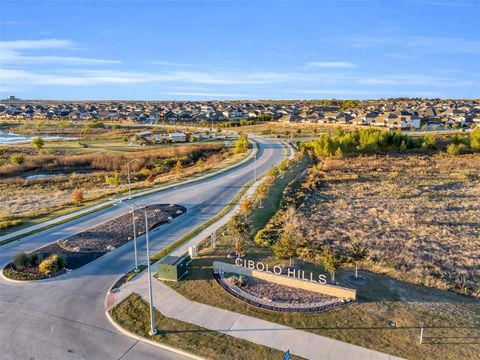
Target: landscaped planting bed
point(276, 297)
point(82, 248)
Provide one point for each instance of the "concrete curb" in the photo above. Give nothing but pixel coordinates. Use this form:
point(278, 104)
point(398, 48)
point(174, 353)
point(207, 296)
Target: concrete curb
point(63, 276)
point(151, 342)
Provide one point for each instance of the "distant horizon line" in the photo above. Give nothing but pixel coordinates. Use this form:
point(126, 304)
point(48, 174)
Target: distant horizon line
point(253, 100)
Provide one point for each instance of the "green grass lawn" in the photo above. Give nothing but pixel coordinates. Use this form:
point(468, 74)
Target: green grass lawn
point(260, 216)
point(132, 314)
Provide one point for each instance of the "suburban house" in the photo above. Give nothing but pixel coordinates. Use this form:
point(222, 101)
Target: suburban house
point(177, 137)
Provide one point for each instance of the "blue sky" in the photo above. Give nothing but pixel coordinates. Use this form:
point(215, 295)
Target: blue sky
point(245, 49)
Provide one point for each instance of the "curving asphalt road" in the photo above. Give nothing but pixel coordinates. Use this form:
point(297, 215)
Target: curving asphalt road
point(64, 318)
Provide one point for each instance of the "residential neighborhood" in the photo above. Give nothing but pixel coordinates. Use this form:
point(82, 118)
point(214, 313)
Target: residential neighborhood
point(407, 114)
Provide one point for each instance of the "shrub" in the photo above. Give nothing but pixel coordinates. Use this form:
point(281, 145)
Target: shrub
point(455, 149)
point(9, 223)
point(113, 180)
point(35, 259)
point(52, 264)
point(21, 261)
point(77, 195)
point(429, 142)
point(360, 141)
point(38, 143)
point(17, 159)
point(266, 237)
point(475, 139)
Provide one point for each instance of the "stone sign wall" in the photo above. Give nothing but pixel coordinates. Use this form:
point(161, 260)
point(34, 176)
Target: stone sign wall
point(326, 289)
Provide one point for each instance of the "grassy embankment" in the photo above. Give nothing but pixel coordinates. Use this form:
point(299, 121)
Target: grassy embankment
point(452, 321)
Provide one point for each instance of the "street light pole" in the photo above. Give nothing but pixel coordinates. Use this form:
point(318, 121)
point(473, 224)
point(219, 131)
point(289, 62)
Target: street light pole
point(132, 208)
point(153, 329)
point(255, 167)
point(128, 177)
point(135, 240)
point(254, 163)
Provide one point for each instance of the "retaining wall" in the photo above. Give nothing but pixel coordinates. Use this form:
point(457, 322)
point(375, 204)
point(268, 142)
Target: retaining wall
point(326, 289)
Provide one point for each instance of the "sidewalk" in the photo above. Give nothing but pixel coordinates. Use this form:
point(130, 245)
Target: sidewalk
point(280, 337)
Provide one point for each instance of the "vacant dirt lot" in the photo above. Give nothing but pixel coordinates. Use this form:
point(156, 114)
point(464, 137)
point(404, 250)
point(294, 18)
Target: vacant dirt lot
point(419, 215)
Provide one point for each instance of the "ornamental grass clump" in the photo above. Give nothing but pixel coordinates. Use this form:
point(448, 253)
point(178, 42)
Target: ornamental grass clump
point(52, 264)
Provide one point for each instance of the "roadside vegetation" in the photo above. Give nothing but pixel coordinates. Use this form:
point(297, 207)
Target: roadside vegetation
point(46, 179)
point(294, 235)
point(34, 267)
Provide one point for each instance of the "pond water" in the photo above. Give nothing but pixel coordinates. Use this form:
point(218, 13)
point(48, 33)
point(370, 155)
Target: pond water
point(43, 176)
point(7, 137)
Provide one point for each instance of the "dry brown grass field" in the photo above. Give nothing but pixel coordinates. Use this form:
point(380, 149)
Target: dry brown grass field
point(419, 215)
point(22, 198)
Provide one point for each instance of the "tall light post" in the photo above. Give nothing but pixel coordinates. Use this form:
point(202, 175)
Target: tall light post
point(254, 162)
point(255, 167)
point(153, 329)
point(132, 208)
point(128, 177)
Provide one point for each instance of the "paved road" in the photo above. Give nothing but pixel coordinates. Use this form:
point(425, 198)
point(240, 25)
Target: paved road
point(64, 318)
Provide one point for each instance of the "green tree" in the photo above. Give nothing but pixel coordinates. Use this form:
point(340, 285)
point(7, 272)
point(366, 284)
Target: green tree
point(241, 145)
point(357, 253)
point(17, 159)
point(200, 164)
point(238, 230)
point(38, 143)
point(284, 166)
point(273, 171)
point(285, 248)
point(261, 192)
point(330, 261)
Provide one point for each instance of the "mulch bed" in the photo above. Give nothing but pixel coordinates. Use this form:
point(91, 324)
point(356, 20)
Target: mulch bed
point(87, 246)
point(276, 297)
point(116, 232)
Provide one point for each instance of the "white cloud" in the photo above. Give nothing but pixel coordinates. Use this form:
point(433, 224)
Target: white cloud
point(36, 44)
point(333, 64)
point(170, 63)
point(414, 45)
point(13, 52)
point(205, 94)
point(415, 79)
